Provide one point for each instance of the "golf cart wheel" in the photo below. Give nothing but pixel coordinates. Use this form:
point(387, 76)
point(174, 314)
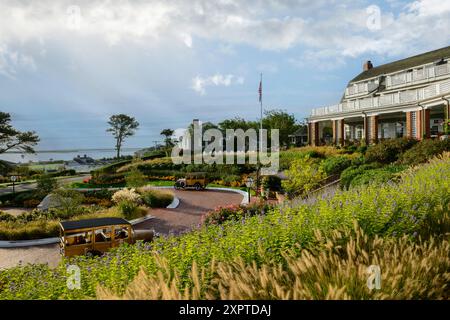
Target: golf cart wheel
point(198, 186)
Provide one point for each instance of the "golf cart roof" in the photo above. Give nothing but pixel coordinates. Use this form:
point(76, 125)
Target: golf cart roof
point(92, 223)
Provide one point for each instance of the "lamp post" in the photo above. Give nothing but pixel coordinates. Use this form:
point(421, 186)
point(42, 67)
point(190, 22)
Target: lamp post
point(249, 184)
point(14, 179)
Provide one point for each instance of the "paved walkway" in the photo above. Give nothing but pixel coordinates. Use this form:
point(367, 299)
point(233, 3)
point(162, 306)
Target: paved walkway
point(33, 186)
point(193, 204)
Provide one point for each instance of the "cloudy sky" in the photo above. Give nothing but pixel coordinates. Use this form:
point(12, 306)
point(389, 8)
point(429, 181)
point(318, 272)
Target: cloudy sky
point(66, 66)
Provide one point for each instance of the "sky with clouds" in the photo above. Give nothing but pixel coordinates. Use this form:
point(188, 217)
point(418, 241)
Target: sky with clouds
point(67, 65)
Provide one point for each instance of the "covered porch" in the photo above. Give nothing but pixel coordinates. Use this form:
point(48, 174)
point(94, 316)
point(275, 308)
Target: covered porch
point(423, 121)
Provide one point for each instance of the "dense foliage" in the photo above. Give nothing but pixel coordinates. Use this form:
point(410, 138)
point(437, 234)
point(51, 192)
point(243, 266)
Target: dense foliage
point(335, 268)
point(235, 213)
point(424, 150)
point(377, 176)
point(414, 207)
point(335, 165)
point(304, 175)
point(389, 150)
point(155, 198)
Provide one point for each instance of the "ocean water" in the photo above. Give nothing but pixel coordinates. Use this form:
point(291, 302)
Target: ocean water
point(65, 155)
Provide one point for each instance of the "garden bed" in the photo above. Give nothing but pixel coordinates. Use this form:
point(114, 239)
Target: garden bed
point(415, 208)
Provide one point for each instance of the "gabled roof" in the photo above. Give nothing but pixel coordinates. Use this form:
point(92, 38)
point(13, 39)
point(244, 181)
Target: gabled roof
point(408, 63)
point(91, 223)
point(302, 131)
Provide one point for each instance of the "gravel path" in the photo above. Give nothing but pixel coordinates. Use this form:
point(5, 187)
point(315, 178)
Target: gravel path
point(193, 204)
point(36, 255)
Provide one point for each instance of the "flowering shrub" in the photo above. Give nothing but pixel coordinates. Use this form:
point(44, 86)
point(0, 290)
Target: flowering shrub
point(126, 195)
point(128, 201)
point(108, 179)
point(87, 180)
point(234, 212)
point(164, 178)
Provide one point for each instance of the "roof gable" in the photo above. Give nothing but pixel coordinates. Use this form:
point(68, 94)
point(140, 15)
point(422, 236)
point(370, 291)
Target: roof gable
point(424, 58)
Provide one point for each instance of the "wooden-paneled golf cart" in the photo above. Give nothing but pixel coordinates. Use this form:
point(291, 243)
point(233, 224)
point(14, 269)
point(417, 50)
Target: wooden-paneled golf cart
point(96, 236)
point(196, 180)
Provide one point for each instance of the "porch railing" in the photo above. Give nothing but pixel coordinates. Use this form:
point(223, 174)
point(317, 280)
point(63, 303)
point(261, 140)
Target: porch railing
point(390, 99)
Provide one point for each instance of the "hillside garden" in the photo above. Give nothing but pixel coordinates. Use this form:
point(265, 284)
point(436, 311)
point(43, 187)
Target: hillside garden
point(307, 251)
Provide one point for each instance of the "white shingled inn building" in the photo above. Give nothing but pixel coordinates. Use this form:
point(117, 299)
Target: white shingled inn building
point(405, 98)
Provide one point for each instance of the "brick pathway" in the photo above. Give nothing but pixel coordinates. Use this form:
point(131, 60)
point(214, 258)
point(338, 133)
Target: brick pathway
point(193, 204)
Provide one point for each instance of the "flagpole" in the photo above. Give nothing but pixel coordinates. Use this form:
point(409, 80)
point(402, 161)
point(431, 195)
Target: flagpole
point(261, 108)
point(261, 118)
point(260, 137)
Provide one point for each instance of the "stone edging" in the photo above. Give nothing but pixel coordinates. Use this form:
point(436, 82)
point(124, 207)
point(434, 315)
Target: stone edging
point(27, 243)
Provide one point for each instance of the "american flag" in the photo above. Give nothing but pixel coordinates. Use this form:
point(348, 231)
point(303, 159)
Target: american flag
point(260, 91)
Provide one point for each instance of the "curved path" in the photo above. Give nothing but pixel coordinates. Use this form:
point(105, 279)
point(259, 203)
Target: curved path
point(193, 204)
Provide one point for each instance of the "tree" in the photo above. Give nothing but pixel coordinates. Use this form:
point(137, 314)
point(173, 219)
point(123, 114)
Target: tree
point(12, 139)
point(281, 120)
point(238, 123)
point(168, 133)
point(122, 126)
point(45, 185)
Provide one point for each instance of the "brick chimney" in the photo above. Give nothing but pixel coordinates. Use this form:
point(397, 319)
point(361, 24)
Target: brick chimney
point(367, 65)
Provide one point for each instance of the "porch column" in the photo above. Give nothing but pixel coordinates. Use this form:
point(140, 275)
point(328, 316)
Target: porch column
point(419, 127)
point(366, 129)
point(423, 124)
point(309, 133)
point(373, 129)
point(409, 125)
point(314, 133)
point(341, 132)
point(334, 124)
point(427, 123)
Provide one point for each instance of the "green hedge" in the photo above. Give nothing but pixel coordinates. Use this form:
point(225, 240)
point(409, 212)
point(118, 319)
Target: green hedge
point(112, 168)
point(335, 165)
point(377, 176)
point(351, 172)
point(156, 198)
point(424, 150)
point(388, 151)
point(19, 197)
